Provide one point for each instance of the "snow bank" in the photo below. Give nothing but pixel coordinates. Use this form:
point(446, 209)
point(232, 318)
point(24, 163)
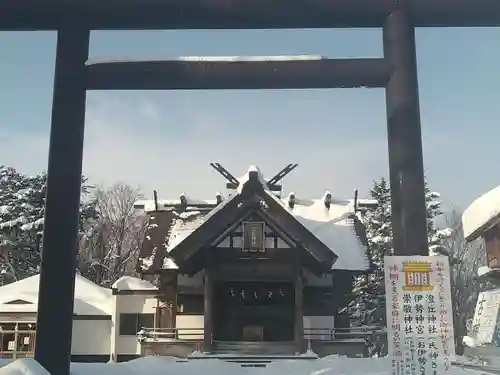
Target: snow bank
point(132, 283)
point(156, 365)
point(481, 213)
point(23, 366)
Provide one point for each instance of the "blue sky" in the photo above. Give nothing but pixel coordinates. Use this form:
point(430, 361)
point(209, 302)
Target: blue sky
point(164, 140)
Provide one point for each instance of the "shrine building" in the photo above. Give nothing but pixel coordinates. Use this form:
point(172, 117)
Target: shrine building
point(253, 271)
point(481, 222)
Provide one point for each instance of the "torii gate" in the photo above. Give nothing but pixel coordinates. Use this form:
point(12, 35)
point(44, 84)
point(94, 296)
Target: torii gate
point(73, 19)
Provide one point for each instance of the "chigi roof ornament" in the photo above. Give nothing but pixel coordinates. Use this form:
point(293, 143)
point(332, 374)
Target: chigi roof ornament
point(274, 183)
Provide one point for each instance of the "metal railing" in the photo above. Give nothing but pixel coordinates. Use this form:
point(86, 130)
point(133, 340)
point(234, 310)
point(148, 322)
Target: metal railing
point(340, 334)
point(170, 334)
point(310, 334)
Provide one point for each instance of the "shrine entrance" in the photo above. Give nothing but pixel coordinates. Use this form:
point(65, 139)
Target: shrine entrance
point(254, 311)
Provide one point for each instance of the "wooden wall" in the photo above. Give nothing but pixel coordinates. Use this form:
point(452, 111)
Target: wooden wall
point(492, 242)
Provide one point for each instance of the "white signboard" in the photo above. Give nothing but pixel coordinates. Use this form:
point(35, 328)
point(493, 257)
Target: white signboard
point(419, 314)
point(486, 316)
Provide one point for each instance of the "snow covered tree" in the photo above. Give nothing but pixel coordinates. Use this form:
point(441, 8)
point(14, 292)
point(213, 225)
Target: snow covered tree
point(110, 243)
point(21, 217)
point(22, 209)
point(368, 305)
point(465, 260)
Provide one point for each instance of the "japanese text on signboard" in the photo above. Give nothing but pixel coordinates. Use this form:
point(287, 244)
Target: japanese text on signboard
point(420, 320)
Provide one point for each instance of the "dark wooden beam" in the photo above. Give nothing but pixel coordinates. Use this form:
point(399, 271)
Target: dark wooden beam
point(256, 270)
point(179, 207)
point(404, 136)
point(208, 315)
point(299, 313)
point(271, 187)
point(247, 74)
point(241, 14)
point(60, 232)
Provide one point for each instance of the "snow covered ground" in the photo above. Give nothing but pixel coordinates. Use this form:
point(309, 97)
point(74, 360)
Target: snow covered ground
point(332, 365)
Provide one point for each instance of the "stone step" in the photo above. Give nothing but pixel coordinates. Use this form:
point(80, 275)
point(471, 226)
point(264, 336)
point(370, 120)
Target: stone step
point(254, 348)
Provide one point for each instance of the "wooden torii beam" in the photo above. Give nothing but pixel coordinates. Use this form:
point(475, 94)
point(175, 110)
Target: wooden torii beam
point(244, 73)
point(240, 14)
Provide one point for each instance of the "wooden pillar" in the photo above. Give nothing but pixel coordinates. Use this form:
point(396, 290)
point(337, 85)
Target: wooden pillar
point(208, 312)
point(409, 212)
point(299, 315)
point(57, 275)
point(342, 282)
point(168, 296)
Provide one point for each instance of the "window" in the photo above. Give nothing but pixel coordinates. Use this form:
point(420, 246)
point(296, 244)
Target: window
point(130, 324)
point(253, 236)
point(17, 339)
point(26, 338)
point(190, 304)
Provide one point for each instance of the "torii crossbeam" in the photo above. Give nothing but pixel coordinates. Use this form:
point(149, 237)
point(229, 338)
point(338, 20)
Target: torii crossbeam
point(240, 14)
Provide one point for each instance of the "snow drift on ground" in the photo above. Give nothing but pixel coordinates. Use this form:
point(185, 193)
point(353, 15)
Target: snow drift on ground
point(332, 365)
point(24, 366)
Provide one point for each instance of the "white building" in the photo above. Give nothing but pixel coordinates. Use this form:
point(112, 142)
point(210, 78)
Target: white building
point(105, 321)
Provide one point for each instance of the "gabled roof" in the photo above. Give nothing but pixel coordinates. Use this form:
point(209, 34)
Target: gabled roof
point(336, 227)
point(18, 302)
point(165, 229)
point(90, 299)
point(252, 195)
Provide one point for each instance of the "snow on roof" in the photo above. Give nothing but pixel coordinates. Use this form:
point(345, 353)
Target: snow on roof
point(169, 264)
point(90, 299)
point(334, 227)
point(185, 223)
point(252, 58)
point(149, 205)
point(133, 283)
point(211, 59)
point(243, 179)
point(482, 214)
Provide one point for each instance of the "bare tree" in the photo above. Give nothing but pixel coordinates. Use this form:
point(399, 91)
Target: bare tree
point(465, 259)
point(109, 246)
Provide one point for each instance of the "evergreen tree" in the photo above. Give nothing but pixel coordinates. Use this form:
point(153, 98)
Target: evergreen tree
point(21, 217)
point(368, 305)
point(22, 209)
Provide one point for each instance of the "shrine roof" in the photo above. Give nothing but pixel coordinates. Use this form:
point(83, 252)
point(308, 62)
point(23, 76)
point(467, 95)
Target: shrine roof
point(336, 226)
point(482, 214)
